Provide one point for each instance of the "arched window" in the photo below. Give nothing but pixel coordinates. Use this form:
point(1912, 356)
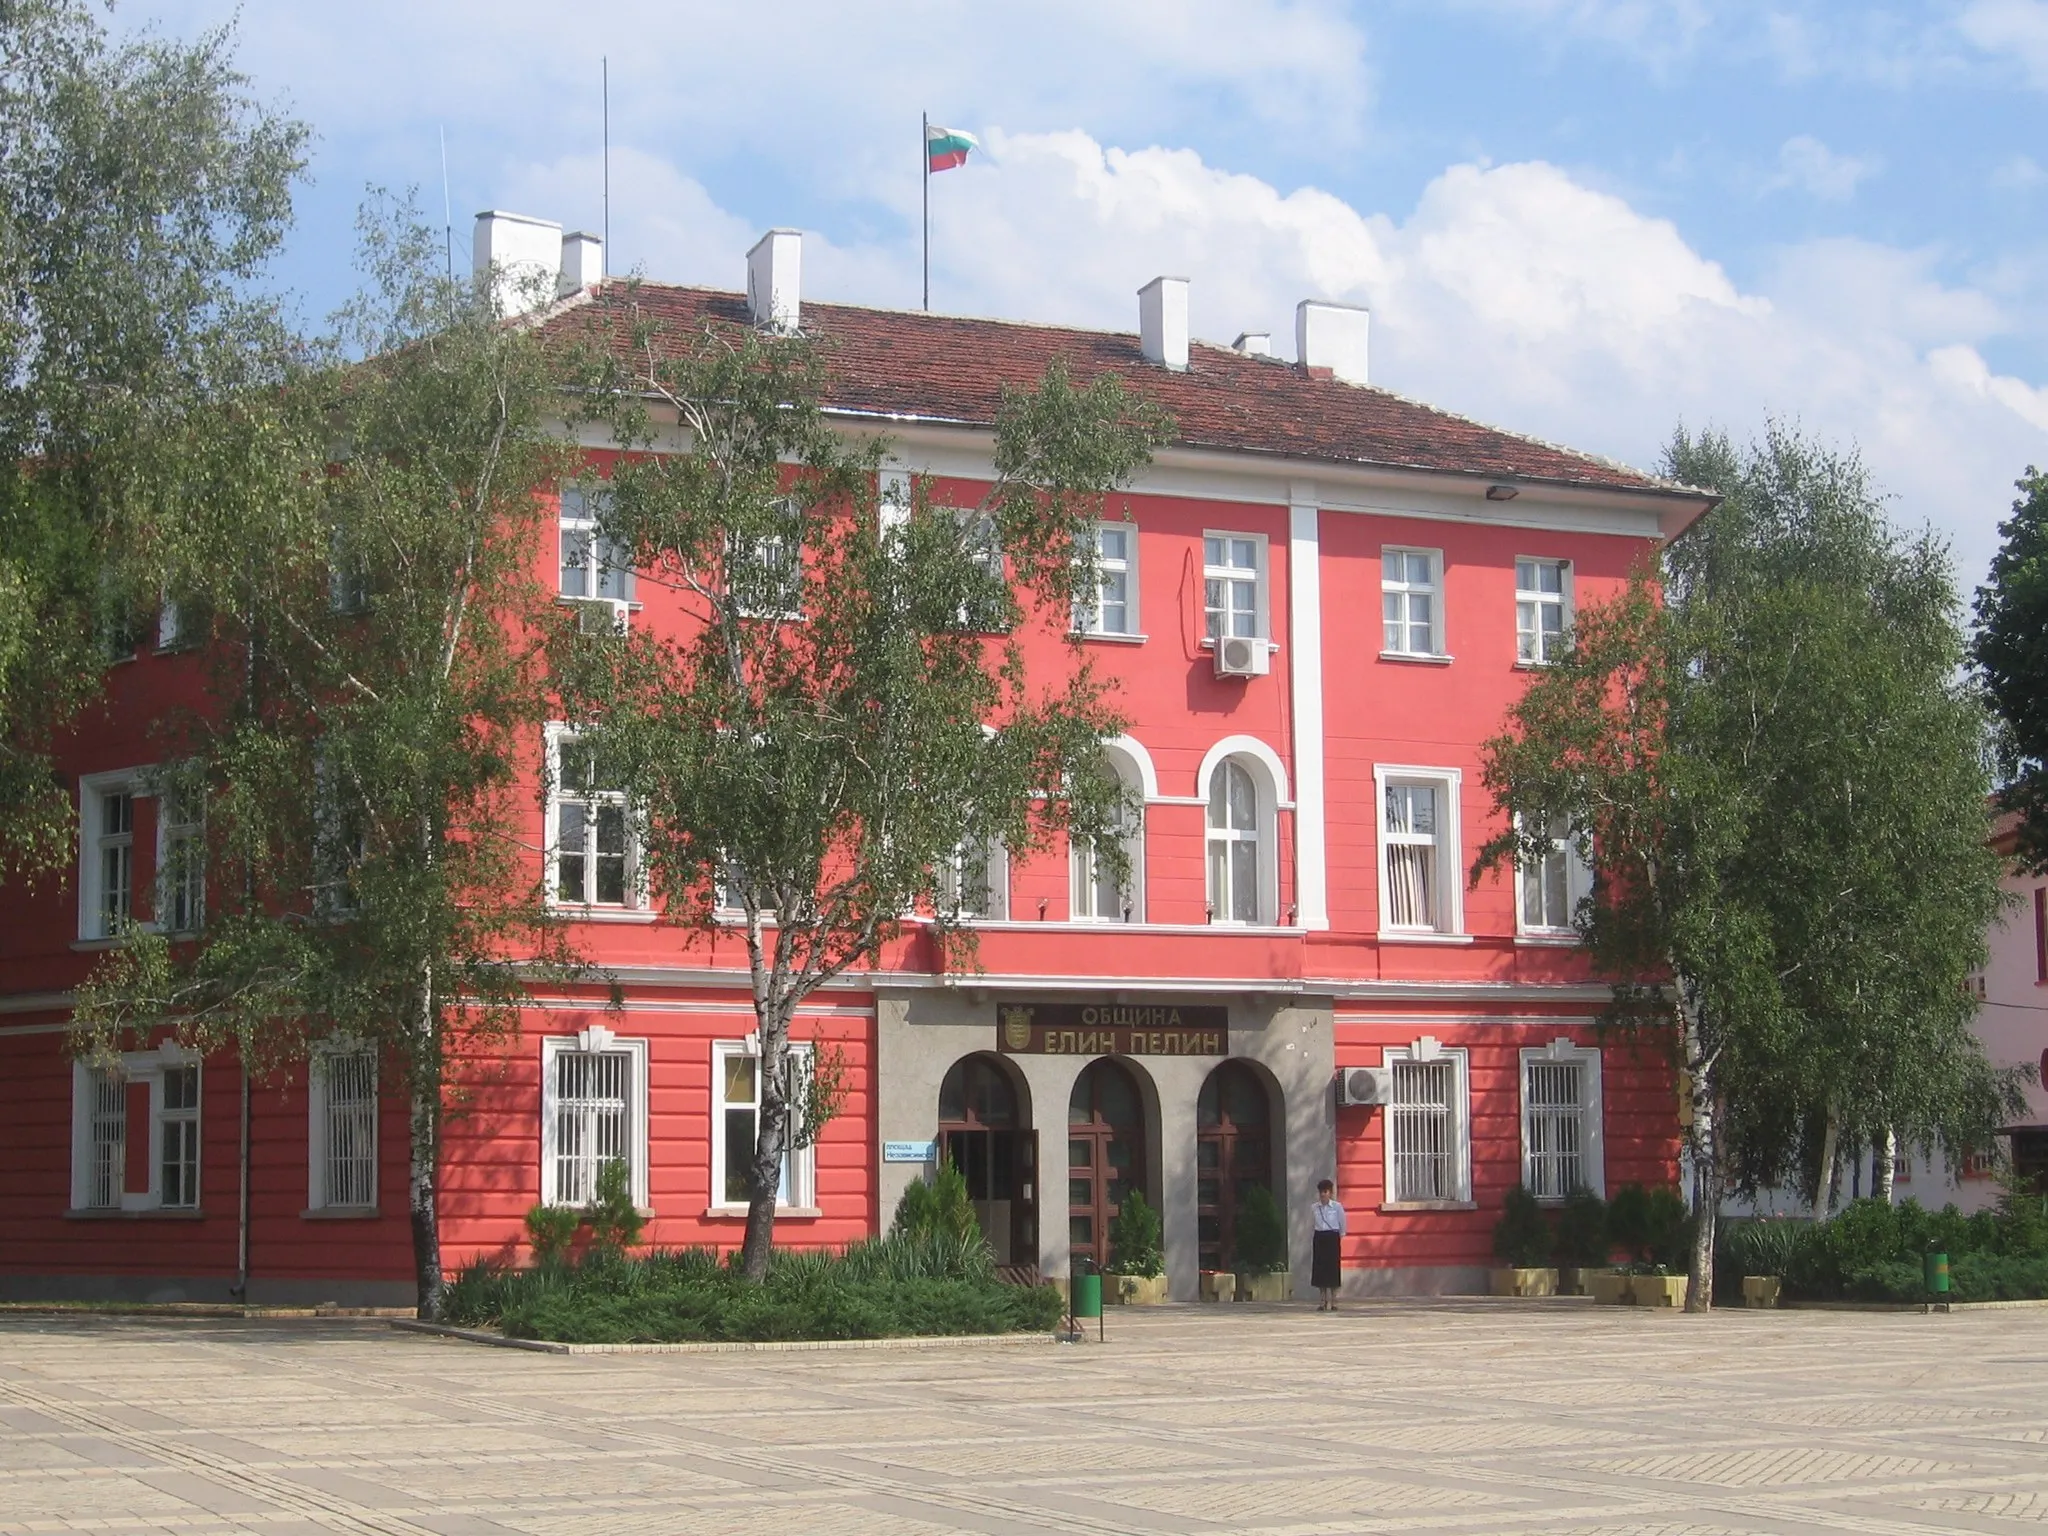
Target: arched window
point(1237, 852)
point(1097, 896)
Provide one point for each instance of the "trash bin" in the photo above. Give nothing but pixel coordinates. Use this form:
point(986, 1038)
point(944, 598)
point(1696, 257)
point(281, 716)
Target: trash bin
point(1087, 1295)
point(1937, 1274)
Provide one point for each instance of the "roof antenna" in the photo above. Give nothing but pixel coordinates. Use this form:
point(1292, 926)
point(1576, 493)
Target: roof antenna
point(447, 207)
point(604, 253)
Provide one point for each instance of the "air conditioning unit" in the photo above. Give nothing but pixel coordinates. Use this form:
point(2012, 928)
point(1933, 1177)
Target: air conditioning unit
point(601, 616)
point(1242, 656)
point(1364, 1085)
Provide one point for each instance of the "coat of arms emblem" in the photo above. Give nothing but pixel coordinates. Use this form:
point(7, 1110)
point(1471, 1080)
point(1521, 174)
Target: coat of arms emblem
point(1016, 1028)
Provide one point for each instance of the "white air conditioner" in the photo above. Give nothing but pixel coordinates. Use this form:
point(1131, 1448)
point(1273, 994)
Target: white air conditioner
point(601, 615)
point(1242, 656)
point(1364, 1085)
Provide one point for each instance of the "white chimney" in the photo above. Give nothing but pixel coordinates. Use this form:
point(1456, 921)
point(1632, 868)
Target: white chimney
point(1332, 336)
point(582, 262)
point(522, 257)
point(775, 268)
point(1163, 322)
point(1254, 343)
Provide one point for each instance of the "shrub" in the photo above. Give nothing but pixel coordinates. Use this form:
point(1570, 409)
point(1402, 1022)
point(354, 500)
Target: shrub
point(1582, 1230)
point(1628, 1221)
point(1521, 1238)
point(551, 1228)
point(2021, 1216)
point(1134, 1238)
point(1763, 1247)
point(1669, 1228)
point(1261, 1234)
point(615, 1222)
point(938, 1205)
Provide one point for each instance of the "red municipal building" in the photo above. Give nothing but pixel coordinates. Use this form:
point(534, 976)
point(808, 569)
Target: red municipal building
point(1316, 603)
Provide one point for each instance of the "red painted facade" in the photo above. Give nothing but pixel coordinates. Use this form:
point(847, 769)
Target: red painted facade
point(1352, 992)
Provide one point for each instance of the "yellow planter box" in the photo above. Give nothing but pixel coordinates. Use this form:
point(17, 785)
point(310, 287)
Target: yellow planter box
point(1134, 1290)
point(1760, 1290)
point(1604, 1285)
point(1278, 1286)
point(1660, 1290)
point(1524, 1282)
point(1218, 1285)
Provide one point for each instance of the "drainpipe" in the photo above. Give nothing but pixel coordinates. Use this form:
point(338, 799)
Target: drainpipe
point(242, 1198)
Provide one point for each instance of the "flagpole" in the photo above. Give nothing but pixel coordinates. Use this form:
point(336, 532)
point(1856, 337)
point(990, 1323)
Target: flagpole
point(924, 153)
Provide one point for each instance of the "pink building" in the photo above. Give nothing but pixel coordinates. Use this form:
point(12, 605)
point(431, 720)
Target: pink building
point(1317, 602)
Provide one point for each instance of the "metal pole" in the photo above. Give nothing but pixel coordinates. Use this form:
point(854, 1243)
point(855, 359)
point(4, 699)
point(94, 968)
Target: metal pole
point(604, 262)
point(242, 1193)
point(924, 153)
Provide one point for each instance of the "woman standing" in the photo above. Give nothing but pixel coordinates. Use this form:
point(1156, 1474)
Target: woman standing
point(1326, 1260)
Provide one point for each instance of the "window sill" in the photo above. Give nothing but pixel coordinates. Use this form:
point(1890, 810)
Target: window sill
point(782, 1213)
point(152, 1213)
point(1113, 637)
point(340, 1213)
point(564, 599)
point(605, 914)
point(90, 946)
point(1410, 936)
point(1523, 664)
point(1402, 1207)
point(1538, 939)
point(1272, 646)
point(1427, 659)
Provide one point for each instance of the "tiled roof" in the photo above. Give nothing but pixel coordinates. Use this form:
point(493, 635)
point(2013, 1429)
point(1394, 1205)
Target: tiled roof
point(908, 364)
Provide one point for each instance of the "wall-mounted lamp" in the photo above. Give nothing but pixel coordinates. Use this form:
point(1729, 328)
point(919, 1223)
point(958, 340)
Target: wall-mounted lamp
point(1501, 493)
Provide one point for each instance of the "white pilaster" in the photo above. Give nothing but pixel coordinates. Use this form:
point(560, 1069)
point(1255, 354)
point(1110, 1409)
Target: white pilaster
point(1305, 675)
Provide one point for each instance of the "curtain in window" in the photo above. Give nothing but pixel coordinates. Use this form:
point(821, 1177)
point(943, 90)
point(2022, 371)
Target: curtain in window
point(1411, 856)
point(1556, 1128)
point(590, 1120)
point(1422, 1126)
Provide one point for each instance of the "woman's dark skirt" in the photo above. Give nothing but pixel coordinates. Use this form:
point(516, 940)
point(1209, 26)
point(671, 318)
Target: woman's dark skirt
point(1325, 1267)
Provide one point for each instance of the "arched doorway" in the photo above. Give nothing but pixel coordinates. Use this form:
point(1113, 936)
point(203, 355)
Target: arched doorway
point(983, 1133)
point(1105, 1154)
point(1233, 1156)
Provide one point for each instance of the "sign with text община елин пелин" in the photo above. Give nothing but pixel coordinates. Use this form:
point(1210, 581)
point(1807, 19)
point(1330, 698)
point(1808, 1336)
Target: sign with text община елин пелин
point(1113, 1029)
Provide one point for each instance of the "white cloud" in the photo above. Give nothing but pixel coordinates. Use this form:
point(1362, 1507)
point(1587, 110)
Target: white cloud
point(2022, 173)
point(1810, 166)
point(2014, 29)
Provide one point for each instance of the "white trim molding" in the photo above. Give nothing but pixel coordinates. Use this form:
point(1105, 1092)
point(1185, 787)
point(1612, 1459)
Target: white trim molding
point(128, 1070)
point(1458, 1128)
point(1450, 854)
point(1305, 676)
point(1592, 1112)
point(799, 1163)
point(596, 1040)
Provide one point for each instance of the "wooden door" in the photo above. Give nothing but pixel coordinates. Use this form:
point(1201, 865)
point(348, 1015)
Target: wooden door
point(1105, 1155)
point(1233, 1155)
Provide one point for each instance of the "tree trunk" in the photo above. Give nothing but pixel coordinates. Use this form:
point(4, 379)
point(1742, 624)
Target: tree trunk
point(423, 1190)
point(1824, 1181)
point(1884, 1162)
point(771, 1142)
point(1704, 1142)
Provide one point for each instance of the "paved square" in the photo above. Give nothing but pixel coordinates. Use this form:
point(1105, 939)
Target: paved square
point(1452, 1416)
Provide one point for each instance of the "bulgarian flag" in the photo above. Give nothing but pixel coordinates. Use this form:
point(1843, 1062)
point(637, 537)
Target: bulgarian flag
point(946, 148)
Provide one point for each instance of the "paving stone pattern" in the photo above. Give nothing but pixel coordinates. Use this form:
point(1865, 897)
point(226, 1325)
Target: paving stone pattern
point(1469, 1417)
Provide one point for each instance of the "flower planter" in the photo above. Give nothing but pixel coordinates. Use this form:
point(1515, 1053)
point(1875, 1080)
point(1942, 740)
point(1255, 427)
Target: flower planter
point(1277, 1286)
point(1524, 1282)
point(1218, 1285)
point(1134, 1290)
point(1572, 1278)
point(1605, 1286)
point(1659, 1290)
point(1760, 1290)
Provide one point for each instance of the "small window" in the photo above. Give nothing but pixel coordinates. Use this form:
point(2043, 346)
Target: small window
point(344, 1128)
point(766, 574)
point(1115, 609)
point(1427, 1129)
point(592, 846)
point(986, 606)
point(593, 1113)
point(178, 1128)
point(106, 1139)
point(1232, 578)
point(106, 854)
point(181, 855)
point(1419, 889)
point(1236, 852)
point(1410, 602)
point(593, 566)
point(341, 839)
point(1542, 591)
point(1561, 1114)
point(1097, 896)
point(1550, 888)
point(736, 1083)
point(975, 882)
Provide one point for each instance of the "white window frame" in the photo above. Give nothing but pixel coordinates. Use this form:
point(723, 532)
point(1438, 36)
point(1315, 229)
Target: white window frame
point(1261, 587)
point(1428, 1049)
point(87, 1115)
point(558, 736)
point(1405, 589)
point(800, 1177)
point(1265, 839)
point(172, 864)
point(1539, 599)
point(1081, 882)
point(581, 519)
point(594, 1041)
point(1450, 923)
point(894, 497)
point(136, 1067)
point(92, 789)
point(1088, 616)
point(170, 627)
point(951, 875)
point(1578, 883)
point(319, 1111)
point(1592, 1113)
point(788, 556)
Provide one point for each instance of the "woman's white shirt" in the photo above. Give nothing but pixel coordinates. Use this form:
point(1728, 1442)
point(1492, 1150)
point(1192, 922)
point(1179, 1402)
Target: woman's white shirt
point(1329, 1216)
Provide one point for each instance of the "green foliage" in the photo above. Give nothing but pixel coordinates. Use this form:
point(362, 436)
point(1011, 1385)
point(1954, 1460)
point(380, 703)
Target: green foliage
point(1669, 1229)
point(551, 1229)
point(615, 1222)
point(2011, 656)
point(1872, 1251)
point(1521, 1238)
point(898, 1285)
point(1628, 1222)
point(1582, 1240)
point(810, 783)
point(937, 1207)
point(1764, 1246)
point(1261, 1233)
point(1134, 1238)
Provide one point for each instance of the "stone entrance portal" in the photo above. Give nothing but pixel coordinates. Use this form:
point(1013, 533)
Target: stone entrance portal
point(984, 1131)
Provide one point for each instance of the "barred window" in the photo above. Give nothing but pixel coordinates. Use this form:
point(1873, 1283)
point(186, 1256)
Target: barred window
point(591, 1111)
point(1561, 1145)
point(107, 1138)
point(1423, 1123)
point(345, 1128)
point(178, 1126)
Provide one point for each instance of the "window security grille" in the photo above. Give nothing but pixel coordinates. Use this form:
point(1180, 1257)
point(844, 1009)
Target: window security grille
point(350, 1137)
point(180, 1129)
point(1557, 1133)
point(108, 1150)
point(1424, 1131)
point(590, 1120)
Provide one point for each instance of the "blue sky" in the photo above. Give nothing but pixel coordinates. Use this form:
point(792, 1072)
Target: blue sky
point(1585, 219)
